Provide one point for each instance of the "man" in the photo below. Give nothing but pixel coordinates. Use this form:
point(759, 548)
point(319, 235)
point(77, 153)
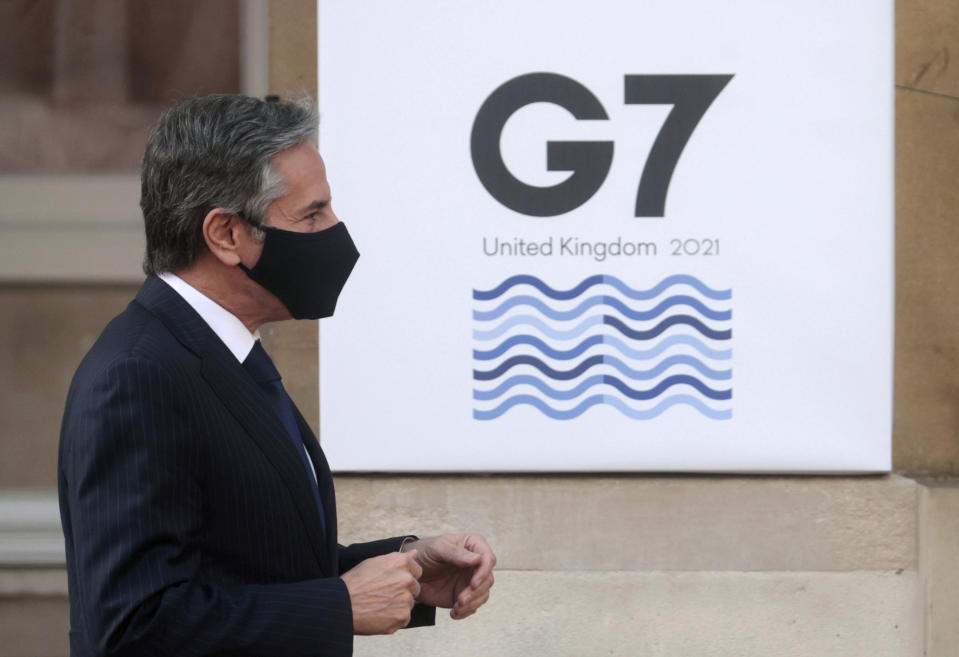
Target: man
point(197, 506)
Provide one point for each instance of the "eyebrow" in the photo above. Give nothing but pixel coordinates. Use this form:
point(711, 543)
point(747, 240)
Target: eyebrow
point(315, 205)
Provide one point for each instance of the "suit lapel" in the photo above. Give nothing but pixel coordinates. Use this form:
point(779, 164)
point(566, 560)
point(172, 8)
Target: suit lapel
point(245, 402)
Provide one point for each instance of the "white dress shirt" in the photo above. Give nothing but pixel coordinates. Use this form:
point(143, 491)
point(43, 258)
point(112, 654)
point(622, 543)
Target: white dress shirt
point(225, 324)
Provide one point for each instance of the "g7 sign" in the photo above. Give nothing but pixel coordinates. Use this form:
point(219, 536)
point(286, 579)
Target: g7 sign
point(590, 161)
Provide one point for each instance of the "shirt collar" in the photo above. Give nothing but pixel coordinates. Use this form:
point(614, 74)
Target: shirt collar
point(225, 324)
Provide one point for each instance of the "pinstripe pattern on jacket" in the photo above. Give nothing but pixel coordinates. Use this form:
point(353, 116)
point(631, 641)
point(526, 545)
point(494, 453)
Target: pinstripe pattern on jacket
point(189, 521)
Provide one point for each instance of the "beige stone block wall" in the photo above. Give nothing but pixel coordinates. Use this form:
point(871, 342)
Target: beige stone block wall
point(939, 554)
point(650, 523)
point(926, 40)
point(926, 414)
point(659, 565)
point(33, 626)
point(706, 614)
point(44, 332)
point(293, 48)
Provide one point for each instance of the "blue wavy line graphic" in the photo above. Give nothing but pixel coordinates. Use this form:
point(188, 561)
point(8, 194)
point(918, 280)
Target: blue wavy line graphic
point(545, 329)
point(600, 379)
point(602, 359)
point(600, 279)
point(604, 319)
point(635, 334)
point(589, 402)
point(595, 320)
point(594, 340)
point(602, 300)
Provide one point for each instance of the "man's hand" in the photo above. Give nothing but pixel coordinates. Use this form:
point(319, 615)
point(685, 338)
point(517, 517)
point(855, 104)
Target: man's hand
point(382, 592)
point(457, 571)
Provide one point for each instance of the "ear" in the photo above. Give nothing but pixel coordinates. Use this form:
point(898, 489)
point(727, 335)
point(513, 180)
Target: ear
point(224, 234)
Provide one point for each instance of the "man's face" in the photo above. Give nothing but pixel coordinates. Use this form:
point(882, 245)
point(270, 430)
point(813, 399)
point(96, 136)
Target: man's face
point(306, 206)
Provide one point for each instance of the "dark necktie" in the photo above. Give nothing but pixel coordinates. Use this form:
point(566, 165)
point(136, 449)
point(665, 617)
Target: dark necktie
point(261, 368)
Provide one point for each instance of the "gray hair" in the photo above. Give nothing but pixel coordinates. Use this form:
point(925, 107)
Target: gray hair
point(213, 152)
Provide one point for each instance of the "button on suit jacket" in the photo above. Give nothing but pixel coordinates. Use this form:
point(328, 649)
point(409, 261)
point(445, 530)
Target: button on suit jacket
point(190, 524)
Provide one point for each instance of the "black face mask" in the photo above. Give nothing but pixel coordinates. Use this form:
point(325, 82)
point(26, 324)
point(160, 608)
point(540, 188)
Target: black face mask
point(306, 271)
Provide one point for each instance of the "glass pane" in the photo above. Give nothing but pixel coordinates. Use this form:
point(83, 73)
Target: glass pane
point(81, 81)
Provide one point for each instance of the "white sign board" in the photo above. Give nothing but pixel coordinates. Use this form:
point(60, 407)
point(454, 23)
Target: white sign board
point(651, 236)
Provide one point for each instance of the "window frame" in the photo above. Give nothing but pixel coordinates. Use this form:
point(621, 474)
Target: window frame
point(88, 227)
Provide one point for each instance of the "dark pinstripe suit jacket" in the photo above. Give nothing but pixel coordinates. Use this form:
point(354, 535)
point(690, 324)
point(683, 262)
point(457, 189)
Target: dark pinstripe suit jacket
point(190, 525)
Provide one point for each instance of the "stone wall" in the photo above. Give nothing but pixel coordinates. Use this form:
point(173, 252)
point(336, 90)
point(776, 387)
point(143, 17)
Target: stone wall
point(926, 412)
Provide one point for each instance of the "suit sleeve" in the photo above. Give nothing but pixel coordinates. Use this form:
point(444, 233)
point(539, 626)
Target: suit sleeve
point(354, 553)
point(421, 615)
point(130, 473)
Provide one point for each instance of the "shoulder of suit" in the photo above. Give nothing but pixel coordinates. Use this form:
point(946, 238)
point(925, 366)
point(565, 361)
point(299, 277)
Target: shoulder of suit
point(136, 335)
